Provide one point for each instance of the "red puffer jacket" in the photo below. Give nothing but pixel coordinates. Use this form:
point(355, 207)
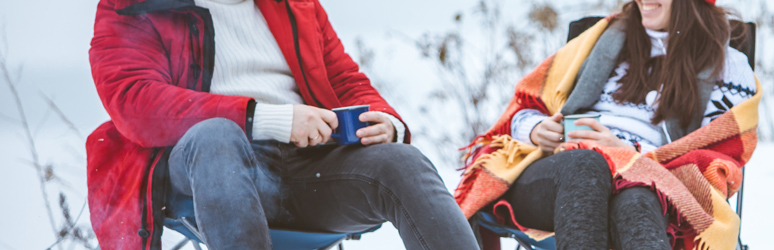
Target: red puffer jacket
point(152, 63)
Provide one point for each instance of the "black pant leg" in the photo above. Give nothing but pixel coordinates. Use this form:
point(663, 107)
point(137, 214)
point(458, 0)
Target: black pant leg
point(566, 193)
point(637, 221)
point(353, 188)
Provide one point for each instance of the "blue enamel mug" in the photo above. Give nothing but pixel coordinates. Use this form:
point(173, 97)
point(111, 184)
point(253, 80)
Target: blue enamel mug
point(349, 123)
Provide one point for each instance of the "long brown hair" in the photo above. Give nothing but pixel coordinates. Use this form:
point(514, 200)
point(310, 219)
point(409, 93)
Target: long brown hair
point(698, 33)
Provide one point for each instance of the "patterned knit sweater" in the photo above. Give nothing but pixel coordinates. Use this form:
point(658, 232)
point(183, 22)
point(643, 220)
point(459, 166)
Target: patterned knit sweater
point(631, 121)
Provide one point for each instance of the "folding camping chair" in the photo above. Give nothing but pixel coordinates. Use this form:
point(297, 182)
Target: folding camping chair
point(744, 42)
point(282, 239)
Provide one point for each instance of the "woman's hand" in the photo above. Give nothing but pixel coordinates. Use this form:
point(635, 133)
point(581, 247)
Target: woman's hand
point(548, 133)
point(381, 130)
point(601, 135)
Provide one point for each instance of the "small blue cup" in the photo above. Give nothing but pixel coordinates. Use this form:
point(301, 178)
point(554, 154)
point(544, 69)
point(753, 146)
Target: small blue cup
point(349, 123)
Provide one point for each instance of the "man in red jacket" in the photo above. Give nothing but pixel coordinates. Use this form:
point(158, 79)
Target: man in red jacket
point(235, 126)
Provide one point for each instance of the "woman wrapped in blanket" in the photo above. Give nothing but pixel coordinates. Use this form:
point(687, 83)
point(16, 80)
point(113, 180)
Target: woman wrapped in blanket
point(674, 65)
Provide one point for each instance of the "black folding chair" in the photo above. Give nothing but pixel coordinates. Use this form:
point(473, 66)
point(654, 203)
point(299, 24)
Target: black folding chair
point(741, 39)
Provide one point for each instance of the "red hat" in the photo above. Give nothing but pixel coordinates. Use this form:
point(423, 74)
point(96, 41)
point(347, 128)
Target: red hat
point(711, 1)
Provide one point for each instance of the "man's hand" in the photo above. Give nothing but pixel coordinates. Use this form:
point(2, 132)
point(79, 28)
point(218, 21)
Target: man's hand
point(311, 125)
point(548, 133)
point(601, 134)
point(381, 130)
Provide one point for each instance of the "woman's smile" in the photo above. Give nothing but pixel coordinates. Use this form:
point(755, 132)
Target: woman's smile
point(655, 13)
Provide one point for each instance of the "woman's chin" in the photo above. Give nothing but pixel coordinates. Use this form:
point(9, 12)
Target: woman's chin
point(652, 25)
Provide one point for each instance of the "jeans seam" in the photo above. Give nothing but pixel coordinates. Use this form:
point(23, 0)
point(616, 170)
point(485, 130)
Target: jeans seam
point(392, 196)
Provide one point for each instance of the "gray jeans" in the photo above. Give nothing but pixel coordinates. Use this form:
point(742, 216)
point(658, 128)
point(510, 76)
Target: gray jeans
point(240, 188)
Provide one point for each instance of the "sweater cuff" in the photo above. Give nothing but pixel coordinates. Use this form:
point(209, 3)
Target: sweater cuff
point(400, 129)
point(646, 147)
point(523, 123)
point(273, 122)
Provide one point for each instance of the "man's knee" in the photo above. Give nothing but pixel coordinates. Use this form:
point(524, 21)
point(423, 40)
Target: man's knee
point(211, 144)
point(215, 131)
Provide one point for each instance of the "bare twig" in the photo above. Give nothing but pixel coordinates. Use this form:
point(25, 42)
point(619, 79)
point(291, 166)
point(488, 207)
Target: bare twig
point(61, 115)
point(70, 225)
point(25, 124)
point(39, 127)
point(10, 119)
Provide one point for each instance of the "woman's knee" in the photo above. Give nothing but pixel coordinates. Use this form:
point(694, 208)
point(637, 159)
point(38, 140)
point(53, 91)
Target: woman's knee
point(585, 166)
point(635, 199)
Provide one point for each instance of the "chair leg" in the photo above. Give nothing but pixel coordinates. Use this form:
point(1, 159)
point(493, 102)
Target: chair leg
point(196, 245)
point(181, 244)
point(341, 246)
point(521, 244)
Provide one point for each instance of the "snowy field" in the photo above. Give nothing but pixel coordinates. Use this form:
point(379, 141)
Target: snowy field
point(51, 40)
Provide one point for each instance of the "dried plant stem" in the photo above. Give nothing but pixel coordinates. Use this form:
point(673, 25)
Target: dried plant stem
point(61, 115)
point(30, 140)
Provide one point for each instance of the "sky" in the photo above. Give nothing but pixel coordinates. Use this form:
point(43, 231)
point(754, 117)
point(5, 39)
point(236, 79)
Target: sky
point(50, 40)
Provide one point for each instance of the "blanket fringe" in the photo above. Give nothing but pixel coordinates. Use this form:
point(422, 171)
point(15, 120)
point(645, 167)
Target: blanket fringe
point(507, 147)
point(463, 189)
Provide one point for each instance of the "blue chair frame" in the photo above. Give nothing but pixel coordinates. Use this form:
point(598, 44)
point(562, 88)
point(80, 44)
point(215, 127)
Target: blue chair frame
point(742, 39)
point(282, 239)
point(489, 221)
point(184, 222)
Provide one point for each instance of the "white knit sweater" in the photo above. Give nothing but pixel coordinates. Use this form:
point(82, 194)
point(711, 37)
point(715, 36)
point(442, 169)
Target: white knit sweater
point(248, 62)
point(631, 122)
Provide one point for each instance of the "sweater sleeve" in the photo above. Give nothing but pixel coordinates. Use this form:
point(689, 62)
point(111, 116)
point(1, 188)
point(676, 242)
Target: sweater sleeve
point(273, 122)
point(400, 130)
point(646, 147)
point(738, 84)
point(523, 122)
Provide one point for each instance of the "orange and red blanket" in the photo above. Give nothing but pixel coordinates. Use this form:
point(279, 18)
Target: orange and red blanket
point(693, 176)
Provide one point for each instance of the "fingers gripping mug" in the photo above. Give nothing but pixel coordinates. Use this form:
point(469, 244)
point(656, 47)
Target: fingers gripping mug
point(569, 123)
point(349, 123)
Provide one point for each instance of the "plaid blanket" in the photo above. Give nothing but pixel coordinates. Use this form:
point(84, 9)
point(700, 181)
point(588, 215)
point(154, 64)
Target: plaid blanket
point(693, 176)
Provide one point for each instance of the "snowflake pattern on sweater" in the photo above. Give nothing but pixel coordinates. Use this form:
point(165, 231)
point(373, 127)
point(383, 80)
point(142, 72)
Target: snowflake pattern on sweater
point(630, 122)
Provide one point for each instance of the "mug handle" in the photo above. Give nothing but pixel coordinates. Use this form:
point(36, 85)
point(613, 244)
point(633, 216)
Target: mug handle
point(335, 133)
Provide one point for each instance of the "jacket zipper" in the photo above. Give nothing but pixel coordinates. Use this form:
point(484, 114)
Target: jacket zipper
point(194, 35)
point(205, 70)
point(144, 233)
point(294, 26)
